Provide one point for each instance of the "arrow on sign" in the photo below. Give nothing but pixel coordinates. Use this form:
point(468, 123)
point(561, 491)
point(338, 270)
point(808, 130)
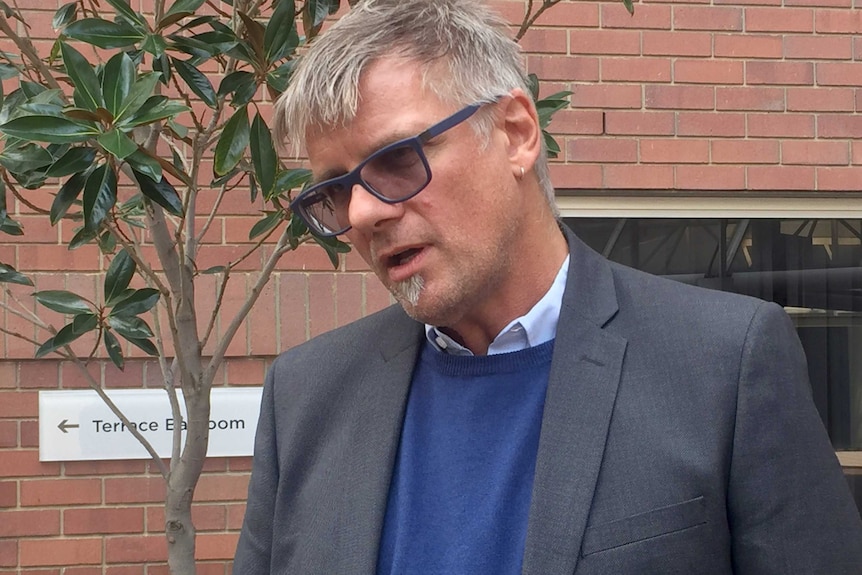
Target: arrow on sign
point(64, 425)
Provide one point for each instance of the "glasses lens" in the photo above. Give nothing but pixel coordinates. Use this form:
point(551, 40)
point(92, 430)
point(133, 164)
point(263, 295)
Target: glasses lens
point(397, 173)
point(327, 208)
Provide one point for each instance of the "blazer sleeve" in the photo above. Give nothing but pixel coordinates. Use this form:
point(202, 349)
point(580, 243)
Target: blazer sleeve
point(789, 506)
point(255, 542)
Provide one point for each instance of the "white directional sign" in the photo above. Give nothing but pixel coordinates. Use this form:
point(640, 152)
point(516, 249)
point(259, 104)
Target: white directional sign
point(76, 425)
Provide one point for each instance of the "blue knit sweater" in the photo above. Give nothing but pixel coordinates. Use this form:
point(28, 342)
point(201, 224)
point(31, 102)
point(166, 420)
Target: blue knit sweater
point(460, 492)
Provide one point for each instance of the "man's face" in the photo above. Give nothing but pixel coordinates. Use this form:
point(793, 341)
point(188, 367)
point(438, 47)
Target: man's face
point(453, 238)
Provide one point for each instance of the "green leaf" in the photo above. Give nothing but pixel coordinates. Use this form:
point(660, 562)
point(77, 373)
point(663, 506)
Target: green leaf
point(143, 344)
point(62, 301)
point(75, 160)
point(11, 227)
point(320, 9)
point(103, 33)
point(118, 144)
point(84, 322)
point(140, 92)
point(533, 85)
point(143, 163)
point(51, 129)
point(232, 143)
point(3, 211)
point(263, 154)
point(140, 301)
point(8, 274)
point(82, 237)
point(118, 276)
point(129, 16)
point(269, 222)
point(154, 44)
point(291, 179)
point(278, 31)
point(130, 326)
point(234, 81)
point(100, 195)
point(214, 270)
point(196, 81)
point(115, 351)
point(333, 247)
point(551, 145)
point(159, 112)
point(67, 196)
point(82, 75)
point(629, 6)
point(25, 158)
point(7, 71)
point(181, 6)
point(162, 192)
point(117, 82)
point(64, 15)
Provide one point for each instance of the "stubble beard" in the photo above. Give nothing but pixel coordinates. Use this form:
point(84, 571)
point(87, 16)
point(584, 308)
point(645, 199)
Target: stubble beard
point(407, 292)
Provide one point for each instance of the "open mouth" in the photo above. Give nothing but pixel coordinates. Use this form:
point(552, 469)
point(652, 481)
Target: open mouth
point(404, 257)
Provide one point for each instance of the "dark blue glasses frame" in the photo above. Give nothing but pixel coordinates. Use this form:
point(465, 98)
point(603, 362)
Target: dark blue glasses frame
point(323, 213)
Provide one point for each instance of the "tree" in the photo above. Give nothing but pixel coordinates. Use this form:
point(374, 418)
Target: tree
point(121, 118)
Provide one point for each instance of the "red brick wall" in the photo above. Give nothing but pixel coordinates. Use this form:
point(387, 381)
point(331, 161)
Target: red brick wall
point(747, 95)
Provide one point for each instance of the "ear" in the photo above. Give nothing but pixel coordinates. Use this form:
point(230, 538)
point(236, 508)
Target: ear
point(520, 123)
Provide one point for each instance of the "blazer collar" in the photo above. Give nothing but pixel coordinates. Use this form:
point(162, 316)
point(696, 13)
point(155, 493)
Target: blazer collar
point(582, 388)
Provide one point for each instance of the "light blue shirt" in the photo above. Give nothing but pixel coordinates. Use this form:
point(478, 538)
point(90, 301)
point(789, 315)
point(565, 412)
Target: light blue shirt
point(531, 329)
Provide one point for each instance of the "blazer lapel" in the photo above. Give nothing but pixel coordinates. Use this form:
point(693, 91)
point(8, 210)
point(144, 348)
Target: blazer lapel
point(582, 388)
point(362, 481)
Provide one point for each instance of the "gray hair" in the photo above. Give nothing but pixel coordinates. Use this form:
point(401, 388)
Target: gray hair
point(479, 62)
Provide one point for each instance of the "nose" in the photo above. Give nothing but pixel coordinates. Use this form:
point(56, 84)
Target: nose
point(367, 213)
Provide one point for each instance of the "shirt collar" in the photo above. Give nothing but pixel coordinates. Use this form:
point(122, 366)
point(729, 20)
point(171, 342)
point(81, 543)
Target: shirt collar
point(533, 328)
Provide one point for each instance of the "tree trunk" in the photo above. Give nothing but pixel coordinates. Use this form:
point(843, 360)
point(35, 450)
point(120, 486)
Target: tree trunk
point(179, 529)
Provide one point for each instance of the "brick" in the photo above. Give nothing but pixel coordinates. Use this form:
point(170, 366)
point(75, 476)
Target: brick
point(818, 47)
point(100, 468)
point(222, 488)
point(569, 176)
point(822, 153)
point(745, 152)
point(780, 73)
point(679, 97)
point(821, 100)
point(239, 463)
point(8, 434)
point(745, 98)
point(377, 297)
point(348, 298)
point(646, 16)
point(636, 70)
point(780, 126)
point(625, 122)
point(564, 68)
point(748, 46)
point(710, 124)
point(19, 404)
point(134, 490)
point(25, 463)
point(828, 21)
point(8, 493)
point(235, 516)
point(136, 548)
point(603, 41)
point(674, 151)
point(545, 41)
point(780, 178)
point(305, 258)
point(707, 18)
point(839, 73)
point(53, 258)
point(65, 492)
point(602, 150)
point(320, 303)
point(605, 96)
point(784, 19)
point(708, 71)
point(856, 152)
point(655, 43)
point(710, 177)
point(574, 15)
point(584, 122)
point(262, 320)
point(74, 377)
point(638, 177)
point(839, 179)
point(245, 371)
point(216, 546)
point(293, 309)
point(8, 374)
point(8, 553)
point(820, 3)
point(103, 520)
point(29, 523)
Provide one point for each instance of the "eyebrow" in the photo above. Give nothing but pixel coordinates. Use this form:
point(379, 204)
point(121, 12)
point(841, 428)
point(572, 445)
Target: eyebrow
point(338, 172)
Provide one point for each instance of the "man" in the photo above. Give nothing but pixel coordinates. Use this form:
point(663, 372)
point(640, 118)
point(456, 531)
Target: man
point(529, 407)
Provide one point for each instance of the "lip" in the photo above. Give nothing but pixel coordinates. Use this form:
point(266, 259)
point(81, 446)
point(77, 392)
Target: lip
point(401, 272)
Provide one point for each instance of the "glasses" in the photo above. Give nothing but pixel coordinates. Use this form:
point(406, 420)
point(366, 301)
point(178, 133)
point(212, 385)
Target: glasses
point(393, 174)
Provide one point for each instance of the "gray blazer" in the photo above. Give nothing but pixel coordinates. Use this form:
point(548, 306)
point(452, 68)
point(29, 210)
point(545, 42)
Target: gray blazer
point(679, 436)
